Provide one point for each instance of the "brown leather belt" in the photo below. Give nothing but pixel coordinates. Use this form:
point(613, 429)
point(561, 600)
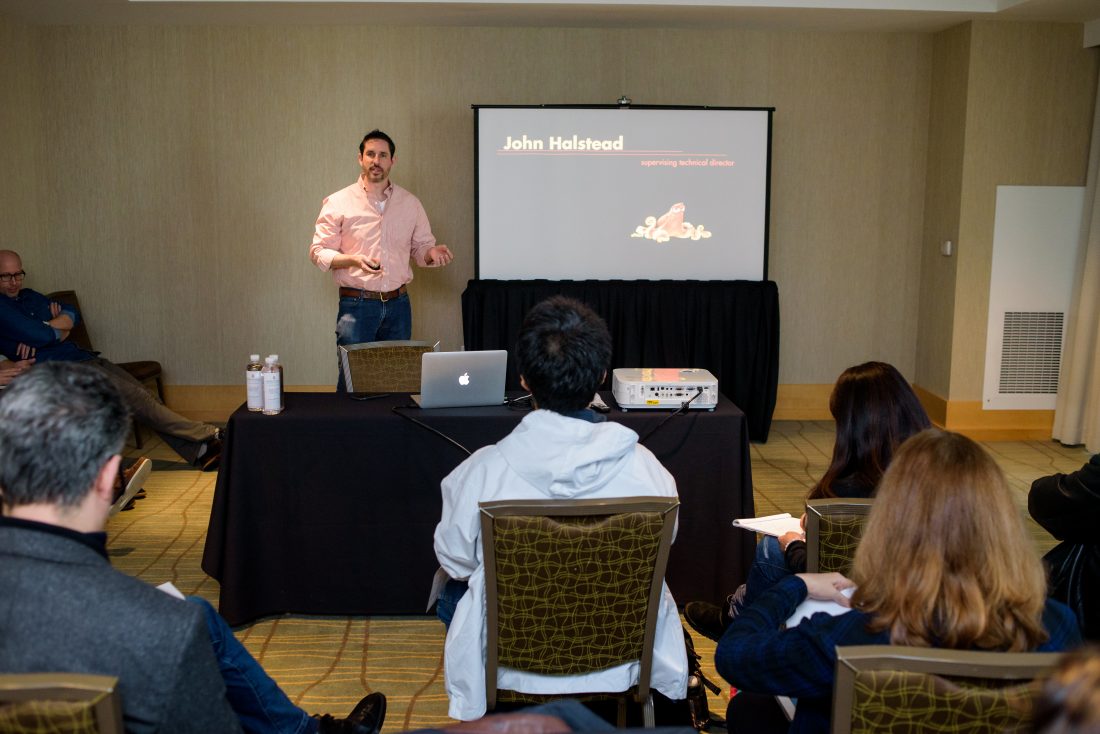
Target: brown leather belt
point(372, 295)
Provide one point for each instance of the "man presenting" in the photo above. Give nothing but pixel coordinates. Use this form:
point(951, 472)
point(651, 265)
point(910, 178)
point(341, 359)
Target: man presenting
point(366, 234)
point(64, 609)
point(562, 450)
point(32, 326)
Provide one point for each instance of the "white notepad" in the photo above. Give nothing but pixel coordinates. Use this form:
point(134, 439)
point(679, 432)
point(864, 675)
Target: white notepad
point(775, 525)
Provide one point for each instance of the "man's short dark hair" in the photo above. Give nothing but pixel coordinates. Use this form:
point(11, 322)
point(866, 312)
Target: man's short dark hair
point(378, 135)
point(563, 352)
point(59, 424)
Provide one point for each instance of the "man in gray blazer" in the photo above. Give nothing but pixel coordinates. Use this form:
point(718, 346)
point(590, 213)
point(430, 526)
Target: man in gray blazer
point(62, 606)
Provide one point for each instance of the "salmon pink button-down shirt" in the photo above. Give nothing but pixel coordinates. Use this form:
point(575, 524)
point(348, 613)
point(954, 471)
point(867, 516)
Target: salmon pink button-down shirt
point(392, 230)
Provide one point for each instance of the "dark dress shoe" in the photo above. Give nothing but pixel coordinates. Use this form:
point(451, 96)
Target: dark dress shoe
point(365, 718)
point(711, 621)
point(370, 712)
point(212, 457)
point(707, 619)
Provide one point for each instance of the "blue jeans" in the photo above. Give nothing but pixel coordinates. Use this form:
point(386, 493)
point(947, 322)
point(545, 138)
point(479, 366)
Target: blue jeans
point(769, 567)
point(257, 700)
point(361, 320)
point(572, 712)
point(448, 599)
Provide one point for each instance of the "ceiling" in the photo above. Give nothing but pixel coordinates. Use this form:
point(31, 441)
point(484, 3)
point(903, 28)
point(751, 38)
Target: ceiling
point(817, 15)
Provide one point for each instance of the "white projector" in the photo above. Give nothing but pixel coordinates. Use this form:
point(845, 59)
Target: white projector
point(644, 387)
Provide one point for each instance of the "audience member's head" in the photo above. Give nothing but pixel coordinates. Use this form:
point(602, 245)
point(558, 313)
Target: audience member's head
point(60, 424)
point(378, 135)
point(944, 560)
point(11, 266)
point(875, 411)
point(1070, 700)
point(562, 354)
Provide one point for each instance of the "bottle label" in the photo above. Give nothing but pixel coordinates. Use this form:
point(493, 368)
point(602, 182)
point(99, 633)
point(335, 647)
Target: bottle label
point(273, 398)
point(254, 381)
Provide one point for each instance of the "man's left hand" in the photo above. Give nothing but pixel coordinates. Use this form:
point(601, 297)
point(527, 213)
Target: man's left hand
point(439, 256)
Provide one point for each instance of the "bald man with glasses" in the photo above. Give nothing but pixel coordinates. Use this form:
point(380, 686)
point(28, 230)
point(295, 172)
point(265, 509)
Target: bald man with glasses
point(10, 368)
point(34, 327)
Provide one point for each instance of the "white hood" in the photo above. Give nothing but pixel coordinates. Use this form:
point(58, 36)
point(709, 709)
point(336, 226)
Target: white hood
point(567, 457)
point(546, 455)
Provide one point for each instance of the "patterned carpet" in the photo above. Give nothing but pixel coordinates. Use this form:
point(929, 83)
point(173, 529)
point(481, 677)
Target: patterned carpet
point(326, 664)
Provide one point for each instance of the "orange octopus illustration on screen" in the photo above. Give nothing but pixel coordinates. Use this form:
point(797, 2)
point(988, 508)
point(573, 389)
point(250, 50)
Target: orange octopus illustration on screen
point(670, 224)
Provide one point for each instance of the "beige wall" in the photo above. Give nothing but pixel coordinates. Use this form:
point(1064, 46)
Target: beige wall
point(20, 121)
point(172, 174)
point(183, 168)
point(950, 61)
point(1030, 99)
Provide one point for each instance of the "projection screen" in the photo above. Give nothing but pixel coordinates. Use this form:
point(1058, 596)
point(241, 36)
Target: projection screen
point(630, 193)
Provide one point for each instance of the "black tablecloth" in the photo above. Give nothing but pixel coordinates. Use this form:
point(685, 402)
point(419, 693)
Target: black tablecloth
point(728, 327)
point(329, 507)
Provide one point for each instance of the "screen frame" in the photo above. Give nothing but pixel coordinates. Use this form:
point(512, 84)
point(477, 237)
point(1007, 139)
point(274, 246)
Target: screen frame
point(626, 108)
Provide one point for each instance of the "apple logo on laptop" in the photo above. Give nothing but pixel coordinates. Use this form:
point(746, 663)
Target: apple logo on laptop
point(464, 379)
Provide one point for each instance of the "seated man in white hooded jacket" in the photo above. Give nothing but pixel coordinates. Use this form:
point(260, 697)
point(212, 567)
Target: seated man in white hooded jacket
point(560, 450)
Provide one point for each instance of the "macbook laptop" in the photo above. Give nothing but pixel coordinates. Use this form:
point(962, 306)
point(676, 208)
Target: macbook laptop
point(461, 379)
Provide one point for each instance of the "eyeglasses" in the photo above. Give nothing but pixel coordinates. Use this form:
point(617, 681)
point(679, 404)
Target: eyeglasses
point(9, 277)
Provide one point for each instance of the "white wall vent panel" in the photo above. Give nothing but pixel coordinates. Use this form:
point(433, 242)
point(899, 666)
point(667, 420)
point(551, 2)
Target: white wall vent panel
point(1036, 237)
point(1031, 353)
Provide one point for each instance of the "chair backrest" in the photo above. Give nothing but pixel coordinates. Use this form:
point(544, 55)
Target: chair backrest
point(573, 586)
point(891, 688)
point(60, 702)
point(79, 334)
point(392, 366)
point(833, 530)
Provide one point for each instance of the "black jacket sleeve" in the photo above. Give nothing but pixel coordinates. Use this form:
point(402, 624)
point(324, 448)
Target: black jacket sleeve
point(1068, 505)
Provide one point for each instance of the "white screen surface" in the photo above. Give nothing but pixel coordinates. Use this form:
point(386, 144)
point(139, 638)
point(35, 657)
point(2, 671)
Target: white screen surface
point(631, 194)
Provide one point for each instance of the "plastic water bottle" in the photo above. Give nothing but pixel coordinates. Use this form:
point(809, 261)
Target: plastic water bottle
point(254, 381)
point(273, 386)
point(282, 379)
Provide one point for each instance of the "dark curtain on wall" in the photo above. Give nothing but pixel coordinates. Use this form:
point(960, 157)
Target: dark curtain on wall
point(728, 327)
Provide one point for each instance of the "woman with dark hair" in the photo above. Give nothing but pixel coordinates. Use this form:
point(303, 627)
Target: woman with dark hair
point(875, 411)
point(944, 562)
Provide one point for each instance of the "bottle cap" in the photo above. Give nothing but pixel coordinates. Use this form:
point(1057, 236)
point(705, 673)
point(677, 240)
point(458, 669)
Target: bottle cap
point(269, 360)
point(253, 358)
point(275, 357)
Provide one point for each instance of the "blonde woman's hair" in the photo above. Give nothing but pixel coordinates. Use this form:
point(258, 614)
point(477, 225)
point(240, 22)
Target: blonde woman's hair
point(944, 560)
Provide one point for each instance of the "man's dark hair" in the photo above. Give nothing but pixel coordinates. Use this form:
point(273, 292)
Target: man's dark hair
point(563, 352)
point(59, 423)
point(378, 135)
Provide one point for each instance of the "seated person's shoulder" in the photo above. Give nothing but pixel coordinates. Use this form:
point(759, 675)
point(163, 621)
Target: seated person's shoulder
point(1060, 623)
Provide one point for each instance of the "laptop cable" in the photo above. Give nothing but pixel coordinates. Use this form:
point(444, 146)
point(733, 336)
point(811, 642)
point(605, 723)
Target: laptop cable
point(400, 410)
point(682, 409)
